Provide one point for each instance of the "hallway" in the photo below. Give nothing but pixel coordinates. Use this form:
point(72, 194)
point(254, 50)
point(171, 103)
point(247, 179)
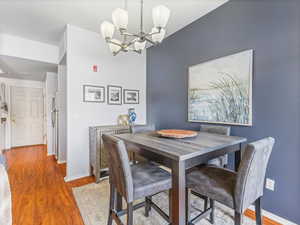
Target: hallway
point(40, 194)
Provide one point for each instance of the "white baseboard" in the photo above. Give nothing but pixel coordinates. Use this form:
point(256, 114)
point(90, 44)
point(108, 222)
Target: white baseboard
point(274, 217)
point(61, 162)
point(68, 178)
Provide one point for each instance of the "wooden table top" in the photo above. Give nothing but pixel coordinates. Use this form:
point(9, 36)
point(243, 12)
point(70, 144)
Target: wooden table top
point(181, 149)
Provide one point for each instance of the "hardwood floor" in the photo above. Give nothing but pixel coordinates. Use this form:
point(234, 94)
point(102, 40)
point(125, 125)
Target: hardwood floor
point(266, 220)
point(39, 193)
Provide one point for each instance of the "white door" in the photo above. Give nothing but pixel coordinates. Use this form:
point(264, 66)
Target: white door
point(27, 109)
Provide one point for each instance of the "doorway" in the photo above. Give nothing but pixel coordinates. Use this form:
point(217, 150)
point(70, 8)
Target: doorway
point(27, 116)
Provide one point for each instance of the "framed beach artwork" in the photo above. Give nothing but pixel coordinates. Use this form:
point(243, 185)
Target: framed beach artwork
point(220, 90)
point(114, 95)
point(93, 93)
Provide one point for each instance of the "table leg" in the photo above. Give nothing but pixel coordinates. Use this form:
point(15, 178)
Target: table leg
point(119, 205)
point(178, 193)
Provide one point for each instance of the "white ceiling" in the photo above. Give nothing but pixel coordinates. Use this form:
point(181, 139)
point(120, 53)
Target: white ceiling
point(25, 69)
point(44, 20)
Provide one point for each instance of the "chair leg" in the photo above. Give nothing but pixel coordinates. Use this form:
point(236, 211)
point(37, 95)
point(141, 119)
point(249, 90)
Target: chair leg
point(187, 205)
point(134, 158)
point(258, 211)
point(237, 218)
point(130, 213)
point(170, 206)
point(212, 214)
point(119, 202)
point(205, 198)
point(205, 203)
point(111, 204)
point(148, 205)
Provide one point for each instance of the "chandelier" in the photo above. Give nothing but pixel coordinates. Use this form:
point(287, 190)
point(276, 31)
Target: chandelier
point(130, 41)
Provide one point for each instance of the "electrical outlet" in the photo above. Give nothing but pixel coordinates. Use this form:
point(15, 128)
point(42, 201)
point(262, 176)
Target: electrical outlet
point(270, 184)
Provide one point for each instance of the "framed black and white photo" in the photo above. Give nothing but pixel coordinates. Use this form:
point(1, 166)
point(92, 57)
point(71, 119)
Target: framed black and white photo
point(114, 95)
point(131, 96)
point(93, 93)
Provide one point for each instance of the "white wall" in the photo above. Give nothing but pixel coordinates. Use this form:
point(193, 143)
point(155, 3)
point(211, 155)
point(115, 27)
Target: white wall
point(84, 49)
point(62, 111)
point(51, 89)
point(18, 83)
point(27, 49)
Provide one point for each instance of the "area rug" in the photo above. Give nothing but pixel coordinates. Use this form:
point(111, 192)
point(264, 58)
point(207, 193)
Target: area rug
point(93, 199)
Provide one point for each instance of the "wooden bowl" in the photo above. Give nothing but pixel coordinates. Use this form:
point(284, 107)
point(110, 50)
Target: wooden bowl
point(177, 133)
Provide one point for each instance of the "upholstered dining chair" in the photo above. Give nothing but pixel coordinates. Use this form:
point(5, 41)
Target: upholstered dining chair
point(133, 148)
point(221, 161)
point(142, 128)
point(132, 182)
point(237, 190)
point(136, 157)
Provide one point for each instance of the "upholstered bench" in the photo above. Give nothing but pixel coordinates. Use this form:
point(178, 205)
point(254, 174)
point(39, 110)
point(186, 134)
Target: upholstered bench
point(5, 194)
point(3, 159)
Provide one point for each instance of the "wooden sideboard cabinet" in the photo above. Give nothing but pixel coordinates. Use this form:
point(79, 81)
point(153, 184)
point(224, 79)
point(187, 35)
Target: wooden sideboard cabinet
point(98, 154)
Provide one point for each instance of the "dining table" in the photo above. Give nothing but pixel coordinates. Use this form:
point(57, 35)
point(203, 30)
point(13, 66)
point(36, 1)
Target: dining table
point(180, 155)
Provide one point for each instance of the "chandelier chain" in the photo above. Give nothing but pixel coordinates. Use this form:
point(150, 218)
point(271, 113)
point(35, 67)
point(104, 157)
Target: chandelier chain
point(142, 16)
point(125, 5)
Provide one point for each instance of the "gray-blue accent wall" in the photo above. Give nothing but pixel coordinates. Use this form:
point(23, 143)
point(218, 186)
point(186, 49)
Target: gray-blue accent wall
point(272, 29)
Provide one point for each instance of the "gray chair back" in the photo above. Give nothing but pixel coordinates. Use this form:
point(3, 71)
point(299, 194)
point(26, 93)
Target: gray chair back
point(119, 168)
point(223, 130)
point(251, 173)
point(142, 128)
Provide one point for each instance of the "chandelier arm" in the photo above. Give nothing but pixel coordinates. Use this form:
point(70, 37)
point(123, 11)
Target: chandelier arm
point(149, 40)
point(129, 34)
point(150, 34)
point(136, 51)
point(111, 42)
point(132, 42)
point(139, 52)
point(117, 52)
point(156, 32)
